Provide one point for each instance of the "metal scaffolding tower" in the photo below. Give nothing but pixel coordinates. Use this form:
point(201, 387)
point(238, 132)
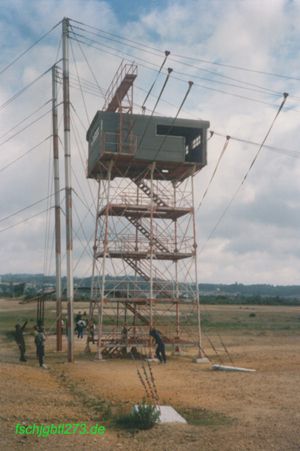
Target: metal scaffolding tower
point(145, 247)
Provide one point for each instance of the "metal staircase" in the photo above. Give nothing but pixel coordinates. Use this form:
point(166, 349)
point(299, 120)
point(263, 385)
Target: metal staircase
point(147, 190)
point(141, 228)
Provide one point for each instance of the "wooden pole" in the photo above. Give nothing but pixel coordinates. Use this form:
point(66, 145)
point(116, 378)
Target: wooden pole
point(57, 210)
point(68, 189)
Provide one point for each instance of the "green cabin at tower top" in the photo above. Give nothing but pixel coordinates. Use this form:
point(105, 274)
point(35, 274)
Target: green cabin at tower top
point(132, 142)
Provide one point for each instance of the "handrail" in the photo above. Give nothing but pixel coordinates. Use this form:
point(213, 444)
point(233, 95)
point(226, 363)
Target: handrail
point(123, 70)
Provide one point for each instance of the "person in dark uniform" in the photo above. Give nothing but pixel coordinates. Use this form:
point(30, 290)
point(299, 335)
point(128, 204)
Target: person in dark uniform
point(40, 345)
point(78, 318)
point(20, 340)
point(80, 328)
point(160, 348)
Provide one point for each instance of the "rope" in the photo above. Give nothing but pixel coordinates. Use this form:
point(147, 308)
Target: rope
point(158, 99)
point(28, 49)
point(167, 53)
point(173, 121)
point(285, 95)
point(23, 155)
point(215, 170)
point(81, 91)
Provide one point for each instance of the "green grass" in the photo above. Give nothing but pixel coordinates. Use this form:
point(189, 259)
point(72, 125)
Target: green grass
point(243, 320)
point(232, 319)
point(204, 417)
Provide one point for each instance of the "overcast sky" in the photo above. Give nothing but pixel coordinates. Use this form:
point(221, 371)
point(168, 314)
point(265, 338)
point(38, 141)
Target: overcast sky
point(246, 55)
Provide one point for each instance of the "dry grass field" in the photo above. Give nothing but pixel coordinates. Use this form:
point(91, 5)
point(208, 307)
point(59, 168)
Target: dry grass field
point(228, 411)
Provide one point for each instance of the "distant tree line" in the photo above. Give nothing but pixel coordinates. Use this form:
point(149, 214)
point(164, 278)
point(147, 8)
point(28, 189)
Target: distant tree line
point(252, 290)
point(249, 300)
point(237, 293)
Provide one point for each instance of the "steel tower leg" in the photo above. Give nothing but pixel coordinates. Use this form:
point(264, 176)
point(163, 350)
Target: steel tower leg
point(106, 250)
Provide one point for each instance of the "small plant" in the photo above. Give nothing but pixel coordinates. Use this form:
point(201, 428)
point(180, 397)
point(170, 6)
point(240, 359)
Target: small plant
point(252, 315)
point(144, 416)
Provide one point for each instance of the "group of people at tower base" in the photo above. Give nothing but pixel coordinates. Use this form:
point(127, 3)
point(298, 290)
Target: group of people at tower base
point(40, 338)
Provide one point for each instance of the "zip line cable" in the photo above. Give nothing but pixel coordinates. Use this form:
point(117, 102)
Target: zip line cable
point(87, 241)
point(120, 40)
point(167, 53)
point(25, 128)
point(256, 71)
point(288, 152)
point(248, 85)
point(170, 70)
point(48, 219)
point(85, 204)
point(158, 99)
point(24, 154)
point(76, 234)
point(139, 46)
point(285, 95)
point(25, 119)
point(24, 220)
point(28, 49)
point(177, 78)
point(11, 99)
point(174, 119)
point(215, 170)
point(160, 52)
point(82, 96)
point(28, 207)
point(254, 88)
point(90, 68)
point(226, 350)
point(78, 117)
point(148, 121)
point(86, 85)
point(77, 140)
point(86, 90)
point(291, 153)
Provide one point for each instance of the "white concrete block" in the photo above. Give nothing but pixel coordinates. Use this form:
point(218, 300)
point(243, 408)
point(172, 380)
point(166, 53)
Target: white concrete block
point(168, 415)
point(201, 360)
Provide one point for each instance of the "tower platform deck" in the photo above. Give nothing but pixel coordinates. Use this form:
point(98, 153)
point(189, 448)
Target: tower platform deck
point(146, 301)
point(144, 211)
point(142, 255)
point(127, 165)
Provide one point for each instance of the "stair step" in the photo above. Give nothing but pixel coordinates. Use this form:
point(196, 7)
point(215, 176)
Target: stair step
point(145, 188)
point(147, 233)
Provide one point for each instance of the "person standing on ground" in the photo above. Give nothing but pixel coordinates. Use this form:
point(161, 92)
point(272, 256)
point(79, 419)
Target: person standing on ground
point(160, 348)
point(40, 345)
point(80, 327)
point(20, 340)
point(78, 318)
